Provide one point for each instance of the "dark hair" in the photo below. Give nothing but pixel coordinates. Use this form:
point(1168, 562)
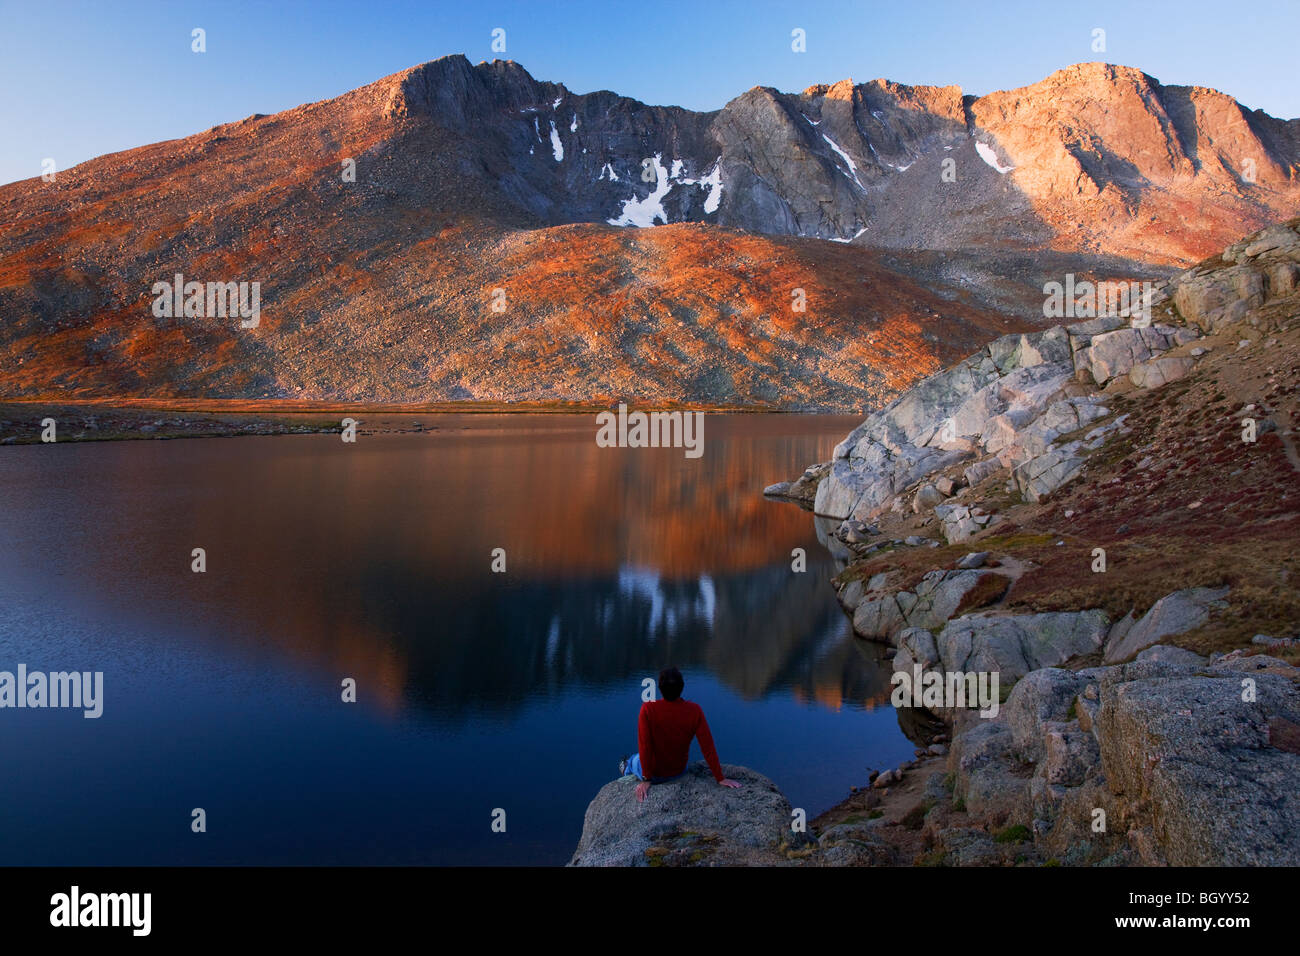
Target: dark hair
point(671, 683)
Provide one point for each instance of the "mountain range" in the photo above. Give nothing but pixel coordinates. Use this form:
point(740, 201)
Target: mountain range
point(460, 232)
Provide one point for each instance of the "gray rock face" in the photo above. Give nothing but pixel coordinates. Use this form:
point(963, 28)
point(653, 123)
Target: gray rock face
point(1008, 645)
point(1112, 354)
point(833, 161)
point(1173, 614)
point(855, 844)
point(959, 522)
point(1264, 266)
point(1160, 371)
point(1040, 475)
point(1202, 759)
point(1007, 402)
point(803, 489)
point(1060, 418)
point(1191, 765)
point(939, 421)
point(1008, 405)
point(980, 470)
point(1042, 697)
point(934, 600)
point(618, 829)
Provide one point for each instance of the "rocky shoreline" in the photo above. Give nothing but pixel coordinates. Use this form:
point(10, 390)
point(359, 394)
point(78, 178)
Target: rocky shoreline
point(1102, 516)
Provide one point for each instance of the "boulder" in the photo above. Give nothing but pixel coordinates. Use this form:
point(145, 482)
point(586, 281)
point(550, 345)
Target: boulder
point(930, 604)
point(1014, 645)
point(1173, 614)
point(927, 496)
point(854, 844)
point(957, 522)
point(1183, 743)
point(1159, 371)
point(1112, 354)
point(1191, 770)
point(804, 488)
point(980, 470)
point(988, 777)
point(716, 824)
point(1038, 477)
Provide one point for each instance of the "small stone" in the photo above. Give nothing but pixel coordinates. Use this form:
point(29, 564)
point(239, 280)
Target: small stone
point(927, 496)
point(886, 779)
point(973, 560)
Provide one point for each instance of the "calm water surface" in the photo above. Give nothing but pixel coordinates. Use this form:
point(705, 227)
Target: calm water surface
point(372, 561)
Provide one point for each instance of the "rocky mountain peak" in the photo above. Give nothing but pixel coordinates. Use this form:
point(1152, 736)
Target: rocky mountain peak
point(460, 165)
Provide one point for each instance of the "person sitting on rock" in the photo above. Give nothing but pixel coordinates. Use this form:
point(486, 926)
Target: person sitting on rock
point(664, 733)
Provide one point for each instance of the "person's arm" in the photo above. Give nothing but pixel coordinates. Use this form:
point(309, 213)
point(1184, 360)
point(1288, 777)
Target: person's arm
point(706, 747)
point(645, 743)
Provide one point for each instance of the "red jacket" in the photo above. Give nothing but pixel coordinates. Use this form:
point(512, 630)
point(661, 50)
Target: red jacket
point(664, 731)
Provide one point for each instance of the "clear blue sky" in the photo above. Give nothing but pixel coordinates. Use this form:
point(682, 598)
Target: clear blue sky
point(80, 79)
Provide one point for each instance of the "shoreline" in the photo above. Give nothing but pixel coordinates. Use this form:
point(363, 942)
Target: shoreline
point(86, 420)
point(1093, 528)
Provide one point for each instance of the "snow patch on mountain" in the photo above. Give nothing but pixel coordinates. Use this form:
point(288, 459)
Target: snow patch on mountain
point(644, 212)
point(556, 146)
point(990, 157)
point(850, 239)
point(848, 159)
point(714, 181)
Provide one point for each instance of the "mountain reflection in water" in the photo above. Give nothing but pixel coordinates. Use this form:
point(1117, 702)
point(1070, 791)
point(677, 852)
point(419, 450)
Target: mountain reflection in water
point(373, 561)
